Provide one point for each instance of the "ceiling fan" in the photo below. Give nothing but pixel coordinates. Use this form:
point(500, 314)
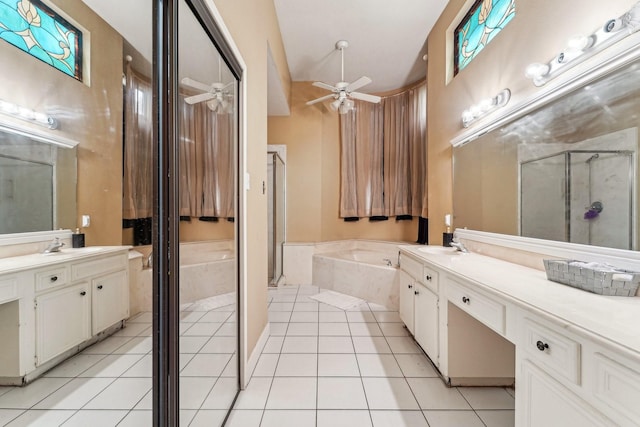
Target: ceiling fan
point(343, 92)
point(216, 95)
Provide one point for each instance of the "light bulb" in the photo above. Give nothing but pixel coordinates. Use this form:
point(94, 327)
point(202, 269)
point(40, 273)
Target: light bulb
point(537, 70)
point(335, 105)
point(581, 43)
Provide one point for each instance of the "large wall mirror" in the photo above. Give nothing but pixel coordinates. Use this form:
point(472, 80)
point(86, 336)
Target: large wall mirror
point(565, 172)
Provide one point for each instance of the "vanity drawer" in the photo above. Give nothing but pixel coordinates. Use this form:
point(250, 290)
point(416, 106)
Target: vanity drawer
point(8, 289)
point(486, 309)
point(52, 278)
point(430, 278)
point(412, 267)
point(553, 350)
point(99, 266)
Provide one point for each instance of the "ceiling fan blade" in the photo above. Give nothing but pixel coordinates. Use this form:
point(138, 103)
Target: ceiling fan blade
point(323, 98)
point(365, 97)
point(199, 98)
point(196, 84)
point(362, 81)
point(325, 86)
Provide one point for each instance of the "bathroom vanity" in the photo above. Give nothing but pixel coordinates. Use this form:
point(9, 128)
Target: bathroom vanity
point(577, 354)
point(53, 305)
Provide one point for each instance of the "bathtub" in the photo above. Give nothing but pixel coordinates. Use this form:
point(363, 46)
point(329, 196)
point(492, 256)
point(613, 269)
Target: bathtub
point(206, 269)
point(362, 273)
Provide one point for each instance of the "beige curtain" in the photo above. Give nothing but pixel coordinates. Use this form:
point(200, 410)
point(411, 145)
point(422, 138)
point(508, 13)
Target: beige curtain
point(383, 160)
point(362, 151)
point(138, 150)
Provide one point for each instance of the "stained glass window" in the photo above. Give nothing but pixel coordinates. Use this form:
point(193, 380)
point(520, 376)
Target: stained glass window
point(36, 29)
point(485, 19)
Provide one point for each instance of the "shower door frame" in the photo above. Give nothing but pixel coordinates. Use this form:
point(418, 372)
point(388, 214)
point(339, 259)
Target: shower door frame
point(567, 189)
point(275, 154)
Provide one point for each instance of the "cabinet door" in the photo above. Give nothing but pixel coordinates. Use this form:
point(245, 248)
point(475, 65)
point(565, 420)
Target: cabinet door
point(406, 299)
point(426, 321)
point(62, 321)
point(541, 401)
point(110, 300)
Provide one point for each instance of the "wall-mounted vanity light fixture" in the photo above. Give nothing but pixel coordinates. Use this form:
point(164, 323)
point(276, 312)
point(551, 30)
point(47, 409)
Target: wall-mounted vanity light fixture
point(580, 48)
point(485, 107)
point(28, 115)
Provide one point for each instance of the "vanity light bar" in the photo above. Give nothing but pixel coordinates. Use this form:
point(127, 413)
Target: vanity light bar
point(28, 115)
point(485, 107)
point(580, 48)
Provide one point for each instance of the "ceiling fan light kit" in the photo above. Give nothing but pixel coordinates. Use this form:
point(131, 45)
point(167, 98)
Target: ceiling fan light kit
point(343, 93)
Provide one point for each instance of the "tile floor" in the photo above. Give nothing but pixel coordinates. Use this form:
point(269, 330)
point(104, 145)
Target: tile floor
point(109, 383)
point(323, 367)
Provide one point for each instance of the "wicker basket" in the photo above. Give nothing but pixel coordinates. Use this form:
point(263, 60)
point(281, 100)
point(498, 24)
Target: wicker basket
point(600, 279)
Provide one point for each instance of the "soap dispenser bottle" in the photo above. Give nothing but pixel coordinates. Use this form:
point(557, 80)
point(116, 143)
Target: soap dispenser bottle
point(77, 239)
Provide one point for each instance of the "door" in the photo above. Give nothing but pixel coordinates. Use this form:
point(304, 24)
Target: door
point(110, 300)
point(426, 321)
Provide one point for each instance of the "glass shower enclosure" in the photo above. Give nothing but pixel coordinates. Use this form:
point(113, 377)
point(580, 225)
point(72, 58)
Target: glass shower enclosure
point(276, 215)
point(586, 196)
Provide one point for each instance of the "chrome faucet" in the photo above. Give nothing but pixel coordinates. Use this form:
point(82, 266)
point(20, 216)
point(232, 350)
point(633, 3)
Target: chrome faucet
point(54, 246)
point(459, 246)
point(389, 263)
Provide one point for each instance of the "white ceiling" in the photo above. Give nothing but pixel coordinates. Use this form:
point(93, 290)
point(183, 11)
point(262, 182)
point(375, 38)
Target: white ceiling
point(387, 39)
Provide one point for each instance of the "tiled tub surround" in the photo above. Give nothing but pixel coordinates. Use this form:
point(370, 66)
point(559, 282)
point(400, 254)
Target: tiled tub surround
point(577, 354)
point(206, 270)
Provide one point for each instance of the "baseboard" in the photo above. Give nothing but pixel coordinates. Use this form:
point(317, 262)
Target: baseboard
point(255, 355)
point(481, 382)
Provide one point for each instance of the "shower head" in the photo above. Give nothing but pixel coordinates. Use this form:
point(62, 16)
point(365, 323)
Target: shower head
point(590, 159)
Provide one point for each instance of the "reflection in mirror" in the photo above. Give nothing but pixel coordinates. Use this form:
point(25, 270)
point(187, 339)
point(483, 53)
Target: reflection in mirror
point(37, 185)
point(565, 172)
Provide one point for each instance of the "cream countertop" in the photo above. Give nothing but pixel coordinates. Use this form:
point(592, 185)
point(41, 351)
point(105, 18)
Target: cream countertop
point(614, 319)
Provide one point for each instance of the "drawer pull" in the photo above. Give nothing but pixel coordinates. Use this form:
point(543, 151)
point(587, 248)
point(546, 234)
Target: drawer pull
point(428, 278)
point(542, 346)
point(416, 292)
point(83, 293)
point(53, 278)
point(409, 286)
point(466, 300)
point(99, 286)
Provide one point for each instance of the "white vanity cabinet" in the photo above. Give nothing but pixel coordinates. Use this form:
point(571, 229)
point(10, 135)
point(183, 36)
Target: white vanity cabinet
point(419, 304)
point(52, 306)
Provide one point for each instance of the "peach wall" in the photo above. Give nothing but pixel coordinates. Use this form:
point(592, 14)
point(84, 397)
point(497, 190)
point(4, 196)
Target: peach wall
point(539, 30)
point(253, 26)
point(91, 115)
point(311, 134)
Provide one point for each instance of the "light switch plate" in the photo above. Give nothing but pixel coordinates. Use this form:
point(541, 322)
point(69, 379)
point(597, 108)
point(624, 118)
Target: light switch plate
point(86, 221)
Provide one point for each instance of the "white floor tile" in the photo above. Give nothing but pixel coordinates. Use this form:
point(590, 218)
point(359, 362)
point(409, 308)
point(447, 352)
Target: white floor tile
point(42, 418)
point(255, 395)
point(307, 290)
point(136, 345)
point(416, 365)
point(497, 418)
point(334, 329)
point(74, 366)
point(192, 344)
point(274, 418)
point(306, 306)
point(143, 317)
point(273, 345)
point(297, 365)
point(75, 394)
point(332, 316)
point(378, 365)
point(222, 394)
point(377, 345)
point(207, 418)
point(487, 397)
point(95, 418)
point(241, 418)
point(112, 366)
point(304, 317)
point(206, 365)
point(216, 316)
point(433, 394)
point(393, 330)
point(365, 330)
point(142, 369)
point(134, 330)
point(404, 345)
point(338, 365)
point(377, 307)
point(453, 419)
point(389, 393)
point(220, 345)
point(387, 316)
point(277, 329)
point(137, 418)
point(335, 345)
point(279, 316)
point(194, 390)
point(202, 329)
point(106, 346)
point(292, 393)
point(327, 307)
point(228, 329)
point(26, 397)
point(7, 415)
point(302, 329)
point(343, 418)
point(266, 366)
point(281, 306)
point(399, 419)
point(294, 344)
point(360, 316)
point(191, 316)
point(123, 393)
point(284, 298)
point(341, 393)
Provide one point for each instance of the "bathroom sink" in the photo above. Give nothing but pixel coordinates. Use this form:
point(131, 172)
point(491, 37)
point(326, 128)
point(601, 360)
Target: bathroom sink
point(438, 250)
